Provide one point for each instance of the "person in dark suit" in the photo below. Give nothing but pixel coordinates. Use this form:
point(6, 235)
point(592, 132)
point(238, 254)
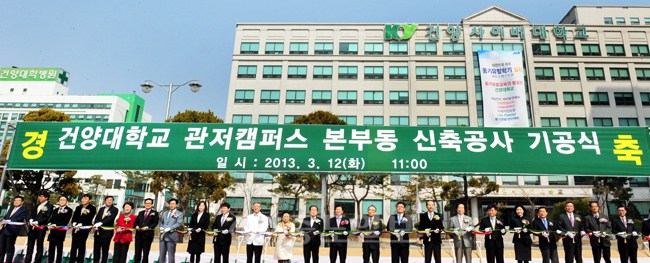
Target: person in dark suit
point(573, 225)
point(105, 217)
point(60, 217)
point(493, 241)
point(146, 219)
point(17, 214)
point(547, 242)
point(626, 234)
point(313, 225)
point(598, 225)
point(645, 227)
point(199, 222)
point(339, 243)
point(224, 224)
point(432, 242)
point(399, 242)
point(38, 227)
point(520, 222)
point(83, 216)
point(371, 223)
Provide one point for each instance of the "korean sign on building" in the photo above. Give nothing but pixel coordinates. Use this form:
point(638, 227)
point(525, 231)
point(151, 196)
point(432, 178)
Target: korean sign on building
point(324, 148)
point(454, 32)
point(35, 74)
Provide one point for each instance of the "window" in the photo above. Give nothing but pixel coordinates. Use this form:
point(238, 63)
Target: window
point(427, 97)
point(348, 48)
point(619, 74)
point(583, 180)
point(347, 97)
point(558, 180)
point(398, 49)
point(324, 48)
point(573, 98)
point(428, 121)
point(245, 119)
point(399, 97)
point(236, 205)
point(645, 99)
point(298, 48)
point(426, 72)
point(639, 182)
point(576, 122)
point(550, 122)
point(647, 20)
point(598, 98)
point(274, 48)
point(373, 72)
point(453, 49)
point(609, 21)
point(547, 98)
point(624, 122)
point(290, 118)
point(544, 74)
point(348, 72)
point(624, 98)
point(244, 96)
point(426, 49)
point(373, 97)
point(350, 120)
point(249, 48)
point(247, 72)
point(510, 179)
point(455, 73)
point(374, 49)
point(531, 180)
point(643, 74)
point(457, 121)
point(603, 122)
point(541, 49)
point(373, 120)
point(399, 72)
point(270, 96)
point(287, 204)
point(620, 20)
point(402, 179)
point(321, 97)
point(456, 97)
point(639, 50)
point(399, 121)
point(615, 50)
point(634, 21)
point(268, 119)
point(272, 72)
point(566, 50)
point(239, 177)
point(322, 72)
point(569, 74)
point(298, 72)
point(590, 50)
point(265, 202)
point(595, 73)
point(295, 96)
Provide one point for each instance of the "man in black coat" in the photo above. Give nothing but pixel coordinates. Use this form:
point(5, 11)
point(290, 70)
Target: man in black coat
point(598, 225)
point(399, 242)
point(83, 216)
point(493, 241)
point(431, 221)
point(225, 224)
point(371, 223)
point(38, 227)
point(547, 242)
point(645, 227)
point(339, 243)
point(17, 214)
point(105, 218)
point(60, 218)
point(314, 225)
point(146, 220)
point(626, 234)
point(572, 225)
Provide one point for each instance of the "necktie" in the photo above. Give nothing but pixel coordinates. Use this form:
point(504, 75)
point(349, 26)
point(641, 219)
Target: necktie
point(430, 216)
point(492, 222)
point(12, 212)
point(399, 220)
point(545, 224)
point(105, 211)
point(460, 219)
point(169, 215)
point(223, 219)
point(624, 222)
point(596, 216)
point(312, 221)
point(338, 222)
point(571, 219)
point(146, 213)
point(40, 207)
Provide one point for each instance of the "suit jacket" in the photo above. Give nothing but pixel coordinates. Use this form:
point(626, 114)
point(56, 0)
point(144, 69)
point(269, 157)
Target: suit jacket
point(345, 226)
point(467, 238)
point(646, 227)
point(60, 217)
point(107, 219)
point(151, 221)
point(43, 217)
point(203, 224)
point(230, 224)
point(550, 242)
point(394, 224)
point(593, 225)
point(564, 224)
point(78, 217)
point(618, 226)
point(256, 224)
point(521, 238)
point(494, 239)
point(434, 224)
point(311, 239)
point(19, 216)
point(173, 221)
point(374, 225)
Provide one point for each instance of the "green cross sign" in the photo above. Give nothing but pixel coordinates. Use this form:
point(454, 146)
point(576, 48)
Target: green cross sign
point(63, 78)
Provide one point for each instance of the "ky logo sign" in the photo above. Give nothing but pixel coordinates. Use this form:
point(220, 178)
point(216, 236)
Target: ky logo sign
point(392, 31)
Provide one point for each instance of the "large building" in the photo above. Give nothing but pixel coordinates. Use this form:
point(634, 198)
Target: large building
point(590, 69)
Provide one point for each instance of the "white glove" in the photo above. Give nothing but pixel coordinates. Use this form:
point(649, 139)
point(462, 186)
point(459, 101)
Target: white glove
point(98, 225)
point(571, 235)
point(559, 232)
point(189, 229)
point(275, 235)
point(377, 233)
point(517, 231)
point(401, 233)
point(634, 233)
point(503, 231)
point(545, 234)
point(436, 231)
point(198, 230)
point(302, 234)
point(316, 232)
point(362, 235)
point(31, 221)
point(345, 233)
point(215, 230)
point(582, 233)
point(469, 229)
point(167, 229)
point(525, 230)
point(74, 224)
point(428, 234)
point(225, 232)
point(396, 233)
point(456, 232)
point(621, 234)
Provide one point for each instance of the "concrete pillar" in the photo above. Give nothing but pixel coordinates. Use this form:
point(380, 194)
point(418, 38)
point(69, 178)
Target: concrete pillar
point(474, 207)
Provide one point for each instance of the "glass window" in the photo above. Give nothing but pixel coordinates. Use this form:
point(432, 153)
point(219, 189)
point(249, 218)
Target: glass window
point(347, 97)
point(590, 50)
point(350, 120)
point(547, 98)
point(426, 49)
point(569, 74)
point(249, 48)
point(348, 72)
point(245, 119)
point(298, 48)
point(348, 48)
point(374, 49)
point(609, 21)
point(373, 97)
point(295, 96)
point(544, 74)
point(645, 98)
point(573, 98)
point(324, 48)
point(510, 179)
point(634, 21)
point(603, 122)
point(595, 73)
point(399, 72)
point(321, 96)
point(247, 72)
point(639, 50)
point(268, 119)
point(299, 72)
point(272, 72)
point(322, 72)
point(244, 96)
point(453, 49)
point(647, 20)
point(455, 73)
point(619, 74)
point(288, 204)
point(373, 72)
point(236, 205)
point(456, 97)
point(615, 50)
point(576, 122)
point(550, 122)
point(399, 121)
point(426, 72)
point(583, 180)
point(625, 122)
point(239, 178)
point(457, 121)
point(558, 180)
point(399, 97)
point(288, 119)
point(427, 97)
point(541, 49)
point(620, 20)
point(270, 96)
point(398, 49)
point(428, 121)
point(639, 182)
point(262, 178)
point(401, 179)
point(531, 180)
point(274, 48)
point(624, 98)
point(566, 50)
point(373, 120)
point(643, 74)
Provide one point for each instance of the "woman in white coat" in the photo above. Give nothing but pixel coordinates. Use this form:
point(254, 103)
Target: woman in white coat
point(284, 244)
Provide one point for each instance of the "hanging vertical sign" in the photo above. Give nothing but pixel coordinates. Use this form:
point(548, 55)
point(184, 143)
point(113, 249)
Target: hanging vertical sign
point(504, 92)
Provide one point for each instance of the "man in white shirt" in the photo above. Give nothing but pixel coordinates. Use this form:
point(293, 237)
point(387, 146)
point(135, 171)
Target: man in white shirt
point(256, 223)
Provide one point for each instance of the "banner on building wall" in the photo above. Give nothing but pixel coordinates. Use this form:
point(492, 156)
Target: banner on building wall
point(325, 148)
point(503, 89)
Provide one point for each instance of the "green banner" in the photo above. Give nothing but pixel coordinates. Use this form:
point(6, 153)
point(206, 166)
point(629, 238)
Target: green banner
point(34, 74)
point(323, 148)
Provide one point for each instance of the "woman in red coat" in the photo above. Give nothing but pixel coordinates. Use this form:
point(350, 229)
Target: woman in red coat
point(123, 236)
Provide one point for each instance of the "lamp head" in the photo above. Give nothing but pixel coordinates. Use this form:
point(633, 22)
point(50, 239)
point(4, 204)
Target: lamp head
point(146, 88)
point(195, 87)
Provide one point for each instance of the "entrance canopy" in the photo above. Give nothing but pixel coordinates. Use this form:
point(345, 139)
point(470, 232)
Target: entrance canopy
point(323, 148)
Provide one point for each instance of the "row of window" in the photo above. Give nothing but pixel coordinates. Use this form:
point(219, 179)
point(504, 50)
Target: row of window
point(598, 122)
point(73, 117)
point(56, 105)
point(327, 48)
point(621, 21)
point(595, 98)
point(351, 72)
point(544, 73)
point(612, 50)
point(350, 97)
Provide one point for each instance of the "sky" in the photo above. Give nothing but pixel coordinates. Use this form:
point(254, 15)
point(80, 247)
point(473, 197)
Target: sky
point(114, 46)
